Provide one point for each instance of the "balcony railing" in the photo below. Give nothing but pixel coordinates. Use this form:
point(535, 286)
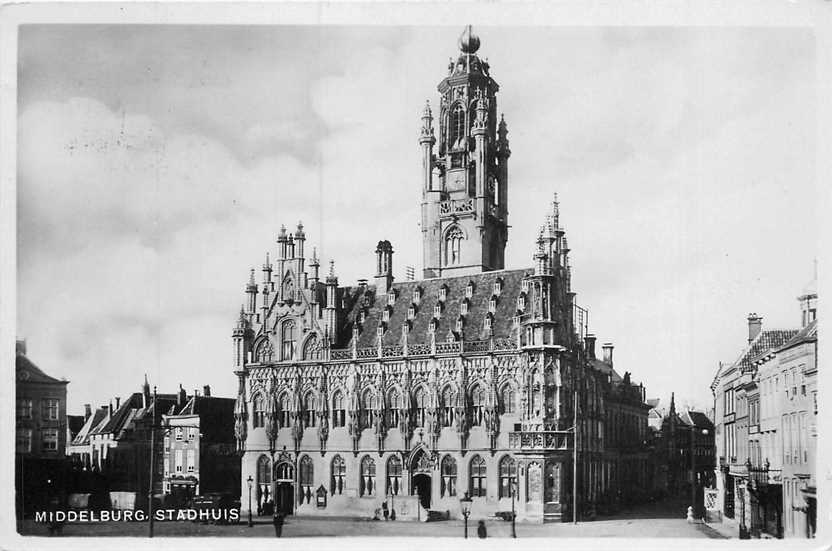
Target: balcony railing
point(539, 440)
point(501, 344)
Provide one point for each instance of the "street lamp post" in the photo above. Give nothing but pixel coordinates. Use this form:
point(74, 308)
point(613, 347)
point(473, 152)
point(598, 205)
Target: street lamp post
point(465, 507)
point(513, 491)
point(250, 482)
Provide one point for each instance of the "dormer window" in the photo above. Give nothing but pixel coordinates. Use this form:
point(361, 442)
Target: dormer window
point(488, 322)
point(443, 293)
point(437, 310)
point(525, 286)
point(361, 317)
point(459, 323)
point(391, 297)
point(432, 326)
point(380, 331)
point(498, 286)
point(463, 309)
point(411, 312)
point(521, 302)
point(385, 316)
point(417, 295)
point(469, 289)
point(492, 305)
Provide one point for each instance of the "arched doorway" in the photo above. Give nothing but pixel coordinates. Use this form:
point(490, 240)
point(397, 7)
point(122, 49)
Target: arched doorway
point(284, 488)
point(421, 468)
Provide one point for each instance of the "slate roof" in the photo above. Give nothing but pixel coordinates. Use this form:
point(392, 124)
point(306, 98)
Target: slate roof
point(653, 402)
point(474, 324)
point(74, 423)
point(35, 374)
point(216, 416)
point(696, 418)
point(763, 343)
point(132, 410)
point(95, 419)
point(606, 369)
point(807, 334)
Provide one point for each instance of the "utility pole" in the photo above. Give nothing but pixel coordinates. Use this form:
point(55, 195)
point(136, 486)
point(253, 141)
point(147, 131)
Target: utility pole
point(575, 459)
point(152, 467)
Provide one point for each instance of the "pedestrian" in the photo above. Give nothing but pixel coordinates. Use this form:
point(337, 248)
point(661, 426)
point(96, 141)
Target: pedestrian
point(277, 520)
point(481, 533)
point(385, 511)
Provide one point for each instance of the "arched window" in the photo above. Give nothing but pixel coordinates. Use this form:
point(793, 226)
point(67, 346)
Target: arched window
point(259, 417)
point(264, 481)
point(287, 339)
point(394, 404)
point(477, 404)
point(478, 477)
point(338, 412)
point(421, 404)
point(509, 400)
point(453, 246)
point(456, 125)
point(367, 408)
point(338, 480)
point(448, 399)
point(285, 410)
point(508, 476)
point(309, 412)
point(285, 472)
point(394, 475)
point(367, 484)
point(306, 479)
point(312, 349)
point(448, 482)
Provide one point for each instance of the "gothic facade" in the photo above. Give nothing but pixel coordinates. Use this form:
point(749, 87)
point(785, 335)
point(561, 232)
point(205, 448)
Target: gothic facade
point(413, 393)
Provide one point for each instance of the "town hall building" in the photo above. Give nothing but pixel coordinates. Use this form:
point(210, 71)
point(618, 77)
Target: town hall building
point(410, 394)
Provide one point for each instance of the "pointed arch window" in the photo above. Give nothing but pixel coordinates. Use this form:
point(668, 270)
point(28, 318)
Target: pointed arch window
point(478, 477)
point(309, 412)
point(421, 404)
point(306, 478)
point(285, 410)
point(287, 340)
point(312, 350)
point(394, 476)
point(367, 408)
point(448, 482)
point(453, 246)
point(394, 406)
point(508, 476)
point(367, 484)
point(456, 125)
point(264, 480)
point(509, 400)
point(448, 399)
point(477, 404)
point(259, 417)
point(338, 478)
point(338, 412)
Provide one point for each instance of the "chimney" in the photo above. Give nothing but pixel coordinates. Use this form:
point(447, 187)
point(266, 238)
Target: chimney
point(118, 402)
point(87, 411)
point(755, 325)
point(20, 347)
point(181, 397)
point(590, 346)
point(110, 407)
point(206, 391)
point(362, 284)
point(607, 352)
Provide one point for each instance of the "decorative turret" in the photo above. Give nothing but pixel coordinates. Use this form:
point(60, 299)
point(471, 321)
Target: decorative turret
point(384, 266)
point(313, 281)
point(251, 291)
point(300, 238)
point(331, 312)
point(282, 243)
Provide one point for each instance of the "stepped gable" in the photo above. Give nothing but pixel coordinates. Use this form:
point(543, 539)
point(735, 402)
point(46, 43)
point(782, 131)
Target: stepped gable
point(474, 324)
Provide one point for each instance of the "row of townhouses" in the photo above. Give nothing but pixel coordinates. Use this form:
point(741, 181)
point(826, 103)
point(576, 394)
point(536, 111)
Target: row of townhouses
point(766, 409)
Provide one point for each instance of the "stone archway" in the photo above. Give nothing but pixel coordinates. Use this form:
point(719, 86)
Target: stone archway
point(421, 469)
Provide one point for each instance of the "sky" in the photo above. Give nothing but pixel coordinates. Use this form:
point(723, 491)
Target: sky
point(156, 165)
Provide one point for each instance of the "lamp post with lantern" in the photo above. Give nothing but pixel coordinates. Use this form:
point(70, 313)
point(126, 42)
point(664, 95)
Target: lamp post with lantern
point(250, 482)
point(465, 507)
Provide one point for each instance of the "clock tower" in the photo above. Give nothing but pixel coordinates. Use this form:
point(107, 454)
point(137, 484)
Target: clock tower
point(465, 174)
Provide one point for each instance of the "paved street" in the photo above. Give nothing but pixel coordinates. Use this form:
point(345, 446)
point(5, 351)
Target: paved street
point(656, 520)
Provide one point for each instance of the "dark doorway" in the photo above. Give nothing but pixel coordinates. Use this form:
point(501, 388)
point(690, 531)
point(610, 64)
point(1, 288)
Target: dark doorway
point(285, 495)
point(421, 487)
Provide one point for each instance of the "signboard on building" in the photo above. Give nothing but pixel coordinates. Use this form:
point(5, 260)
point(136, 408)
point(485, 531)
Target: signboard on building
point(320, 497)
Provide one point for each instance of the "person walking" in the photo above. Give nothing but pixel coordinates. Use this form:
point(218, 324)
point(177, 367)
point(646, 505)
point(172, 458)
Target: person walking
point(481, 533)
point(277, 520)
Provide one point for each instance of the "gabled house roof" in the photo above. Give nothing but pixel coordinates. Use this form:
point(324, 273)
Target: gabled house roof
point(26, 370)
point(763, 343)
point(807, 334)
